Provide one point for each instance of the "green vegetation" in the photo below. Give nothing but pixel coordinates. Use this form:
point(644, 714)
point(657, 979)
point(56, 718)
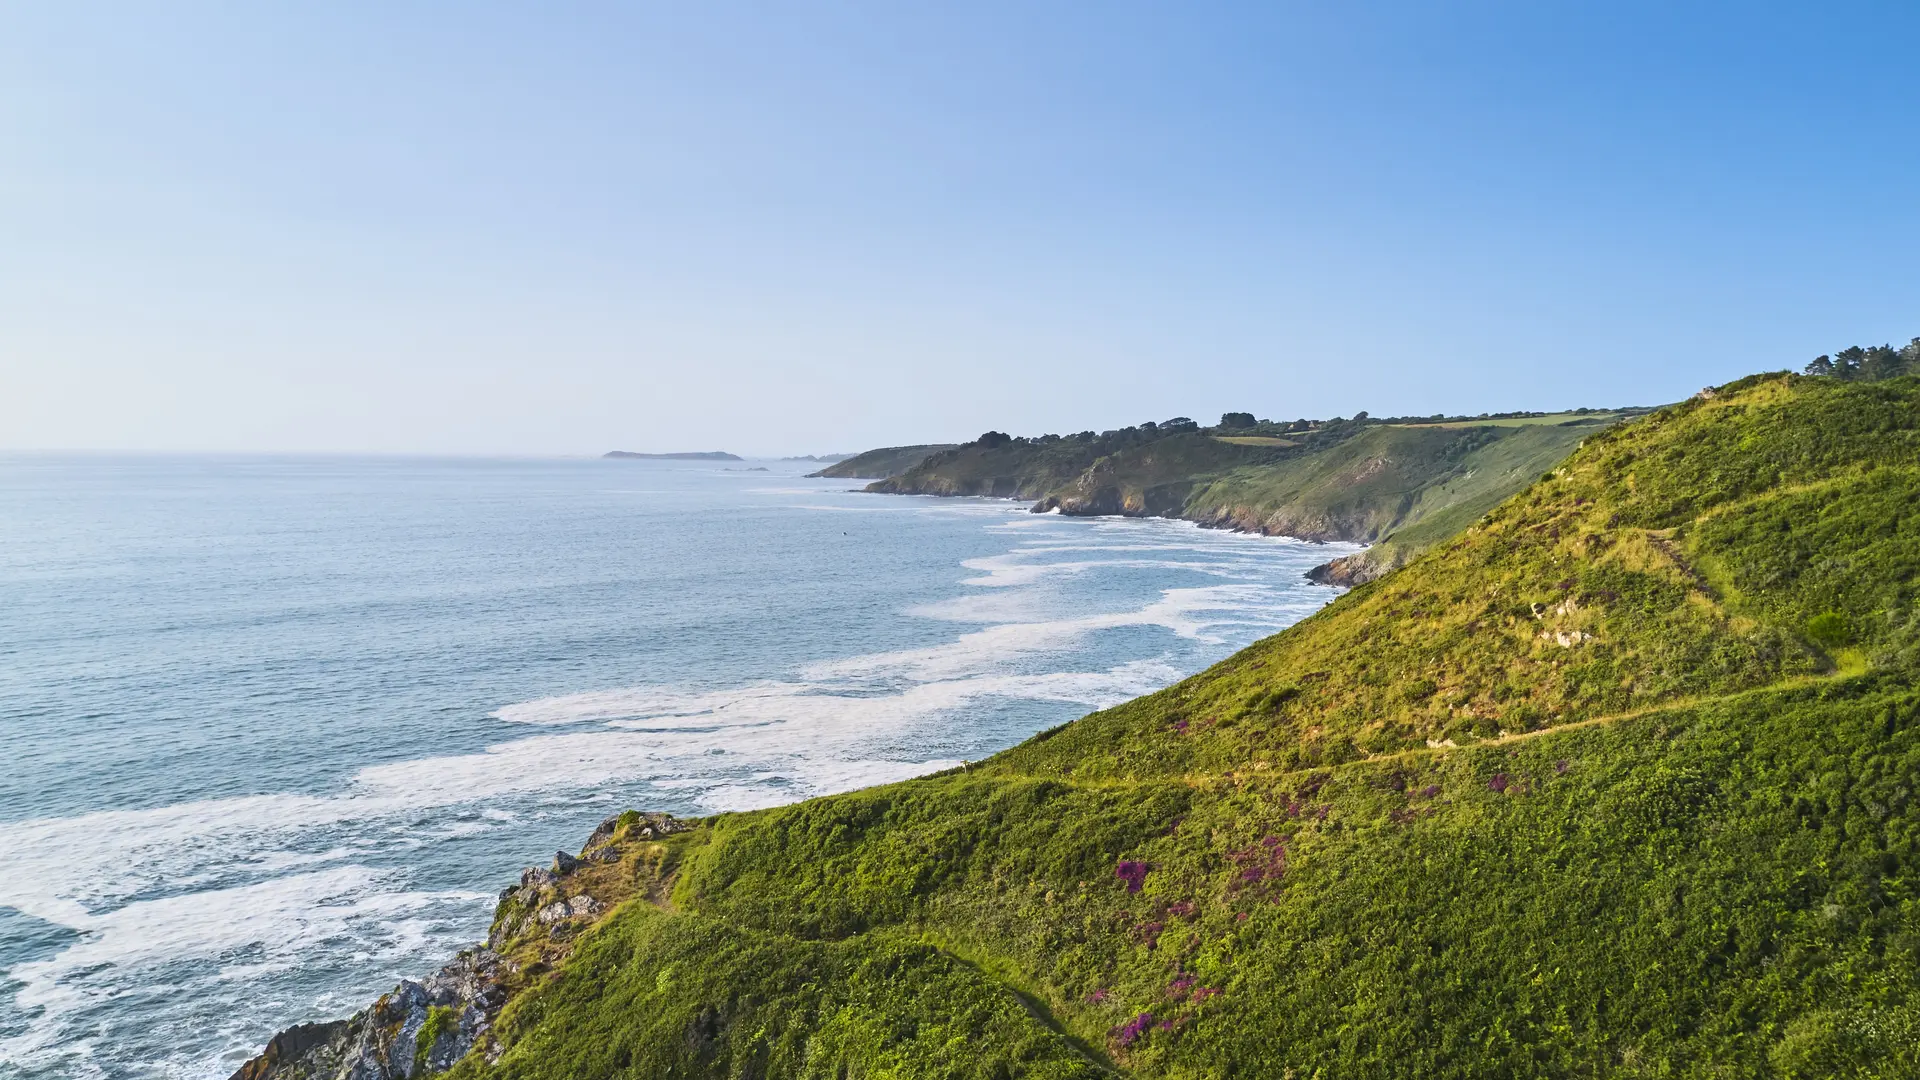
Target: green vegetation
point(1408, 481)
point(1415, 484)
point(1869, 364)
point(997, 464)
point(441, 1020)
point(884, 462)
point(1617, 782)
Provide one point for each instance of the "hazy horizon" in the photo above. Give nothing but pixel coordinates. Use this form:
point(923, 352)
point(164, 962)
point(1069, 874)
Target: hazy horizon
point(775, 231)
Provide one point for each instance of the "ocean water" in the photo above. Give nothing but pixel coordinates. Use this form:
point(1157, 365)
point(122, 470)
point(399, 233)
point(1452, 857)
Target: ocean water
point(277, 730)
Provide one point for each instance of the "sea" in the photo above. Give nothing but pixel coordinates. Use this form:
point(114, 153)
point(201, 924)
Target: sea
point(275, 731)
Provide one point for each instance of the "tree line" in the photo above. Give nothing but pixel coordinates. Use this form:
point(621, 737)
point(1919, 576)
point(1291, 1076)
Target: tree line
point(1869, 364)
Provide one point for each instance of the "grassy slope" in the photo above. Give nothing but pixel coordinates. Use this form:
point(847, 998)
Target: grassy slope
point(884, 462)
point(1160, 477)
point(1682, 846)
point(1411, 484)
point(1386, 479)
point(1029, 469)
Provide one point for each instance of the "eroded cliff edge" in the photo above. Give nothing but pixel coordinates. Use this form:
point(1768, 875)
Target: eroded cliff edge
point(426, 1027)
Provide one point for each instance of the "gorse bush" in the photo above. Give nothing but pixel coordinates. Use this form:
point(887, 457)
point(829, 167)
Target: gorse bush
point(1618, 782)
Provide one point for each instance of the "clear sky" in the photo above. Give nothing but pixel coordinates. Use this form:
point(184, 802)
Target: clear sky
point(787, 228)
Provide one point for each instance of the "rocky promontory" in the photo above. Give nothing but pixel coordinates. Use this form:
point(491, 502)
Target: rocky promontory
point(422, 1028)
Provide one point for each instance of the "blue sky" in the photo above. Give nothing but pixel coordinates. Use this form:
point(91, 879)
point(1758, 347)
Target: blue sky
point(793, 228)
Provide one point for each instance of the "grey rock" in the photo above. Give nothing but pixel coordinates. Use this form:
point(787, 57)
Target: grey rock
point(383, 1042)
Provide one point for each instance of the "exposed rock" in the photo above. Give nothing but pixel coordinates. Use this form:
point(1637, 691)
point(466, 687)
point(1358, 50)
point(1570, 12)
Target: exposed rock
point(647, 826)
point(290, 1052)
point(1348, 571)
point(426, 1027)
point(384, 1042)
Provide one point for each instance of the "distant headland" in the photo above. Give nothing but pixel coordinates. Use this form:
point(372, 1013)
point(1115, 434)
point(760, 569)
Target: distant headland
point(686, 455)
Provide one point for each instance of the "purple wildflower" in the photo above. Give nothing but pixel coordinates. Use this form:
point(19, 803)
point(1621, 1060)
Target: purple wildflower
point(1430, 791)
point(1499, 782)
point(1253, 873)
point(1097, 996)
point(1180, 725)
point(1183, 909)
point(1126, 1033)
point(1242, 917)
point(1560, 766)
point(1133, 873)
point(1202, 993)
point(1322, 812)
point(1270, 841)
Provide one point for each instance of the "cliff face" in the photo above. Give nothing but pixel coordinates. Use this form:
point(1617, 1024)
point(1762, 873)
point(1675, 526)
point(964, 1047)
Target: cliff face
point(417, 1029)
point(1410, 484)
point(423, 1028)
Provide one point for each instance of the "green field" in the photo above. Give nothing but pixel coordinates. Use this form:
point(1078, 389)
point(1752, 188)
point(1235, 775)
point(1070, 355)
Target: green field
point(1256, 440)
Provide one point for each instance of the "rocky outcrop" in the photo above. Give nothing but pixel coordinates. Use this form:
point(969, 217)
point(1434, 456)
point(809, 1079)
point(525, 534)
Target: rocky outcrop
point(416, 1029)
point(1358, 525)
point(1164, 500)
point(422, 1028)
point(1349, 570)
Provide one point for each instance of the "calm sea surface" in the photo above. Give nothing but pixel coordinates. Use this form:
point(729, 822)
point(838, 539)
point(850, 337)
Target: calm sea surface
point(276, 730)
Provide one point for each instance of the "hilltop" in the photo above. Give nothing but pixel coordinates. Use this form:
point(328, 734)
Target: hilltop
point(1618, 781)
point(884, 462)
point(1407, 481)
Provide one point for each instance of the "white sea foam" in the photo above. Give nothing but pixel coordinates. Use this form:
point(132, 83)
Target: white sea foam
point(248, 886)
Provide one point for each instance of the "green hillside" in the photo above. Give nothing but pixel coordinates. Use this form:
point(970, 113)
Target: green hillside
point(1004, 466)
point(1618, 782)
point(1408, 483)
point(884, 462)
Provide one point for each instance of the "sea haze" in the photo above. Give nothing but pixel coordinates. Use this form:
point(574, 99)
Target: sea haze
point(278, 729)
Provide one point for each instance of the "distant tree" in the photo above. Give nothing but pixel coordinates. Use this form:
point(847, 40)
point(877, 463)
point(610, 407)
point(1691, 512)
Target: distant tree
point(1360, 416)
point(1179, 423)
point(994, 438)
point(1236, 420)
point(1847, 362)
point(1881, 362)
point(1868, 364)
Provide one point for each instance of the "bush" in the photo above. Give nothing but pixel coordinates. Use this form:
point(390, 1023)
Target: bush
point(1830, 630)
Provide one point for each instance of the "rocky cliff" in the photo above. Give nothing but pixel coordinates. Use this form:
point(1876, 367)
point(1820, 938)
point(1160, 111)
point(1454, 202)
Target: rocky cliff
point(422, 1028)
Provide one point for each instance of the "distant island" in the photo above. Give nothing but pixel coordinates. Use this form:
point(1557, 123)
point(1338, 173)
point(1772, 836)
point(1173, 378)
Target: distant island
point(825, 458)
point(685, 455)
